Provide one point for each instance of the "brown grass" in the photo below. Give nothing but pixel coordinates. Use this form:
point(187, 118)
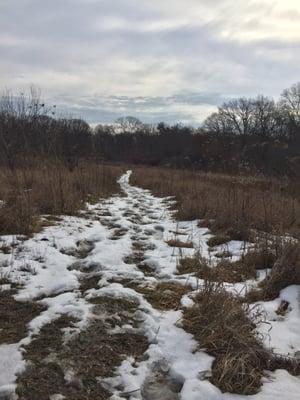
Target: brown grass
point(224, 271)
point(233, 272)
point(92, 354)
point(217, 240)
point(191, 265)
point(50, 188)
point(285, 272)
point(163, 296)
point(179, 243)
point(282, 258)
point(231, 201)
point(262, 256)
point(222, 325)
point(14, 317)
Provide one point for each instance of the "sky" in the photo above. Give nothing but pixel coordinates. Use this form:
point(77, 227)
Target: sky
point(158, 60)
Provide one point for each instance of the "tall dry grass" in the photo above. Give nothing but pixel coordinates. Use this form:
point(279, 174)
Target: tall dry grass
point(231, 201)
point(50, 188)
point(285, 272)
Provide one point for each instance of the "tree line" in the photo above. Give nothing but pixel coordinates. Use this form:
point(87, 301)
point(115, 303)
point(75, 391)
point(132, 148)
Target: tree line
point(260, 116)
point(244, 135)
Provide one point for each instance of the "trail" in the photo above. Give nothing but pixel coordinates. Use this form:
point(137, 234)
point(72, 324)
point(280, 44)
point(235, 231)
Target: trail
point(106, 281)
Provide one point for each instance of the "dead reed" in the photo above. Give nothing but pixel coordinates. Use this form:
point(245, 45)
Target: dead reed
point(50, 188)
point(227, 202)
point(285, 272)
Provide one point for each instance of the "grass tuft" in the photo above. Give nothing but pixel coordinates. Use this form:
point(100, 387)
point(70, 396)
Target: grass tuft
point(224, 327)
point(285, 272)
point(179, 243)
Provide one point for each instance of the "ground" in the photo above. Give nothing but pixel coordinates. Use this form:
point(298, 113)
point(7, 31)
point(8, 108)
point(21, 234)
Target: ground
point(91, 308)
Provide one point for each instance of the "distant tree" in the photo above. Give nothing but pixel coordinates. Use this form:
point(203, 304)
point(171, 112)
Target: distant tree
point(290, 102)
point(238, 114)
point(259, 116)
point(102, 129)
point(217, 123)
point(129, 124)
point(264, 116)
point(233, 117)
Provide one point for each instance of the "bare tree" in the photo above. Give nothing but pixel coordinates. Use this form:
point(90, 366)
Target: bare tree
point(129, 124)
point(217, 123)
point(264, 116)
point(290, 101)
point(235, 117)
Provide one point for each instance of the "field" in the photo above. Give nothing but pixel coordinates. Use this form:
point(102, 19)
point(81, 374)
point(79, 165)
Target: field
point(108, 288)
point(226, 202)
point(149, 200)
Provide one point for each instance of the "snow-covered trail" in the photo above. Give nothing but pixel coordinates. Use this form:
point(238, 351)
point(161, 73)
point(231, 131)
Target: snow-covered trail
point(119, 246)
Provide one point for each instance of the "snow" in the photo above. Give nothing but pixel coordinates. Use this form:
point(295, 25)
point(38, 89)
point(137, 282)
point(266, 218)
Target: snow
point(284, 334)
point(11, 363)
point(43, 265)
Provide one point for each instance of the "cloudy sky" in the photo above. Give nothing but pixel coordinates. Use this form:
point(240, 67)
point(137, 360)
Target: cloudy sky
point(171, 60)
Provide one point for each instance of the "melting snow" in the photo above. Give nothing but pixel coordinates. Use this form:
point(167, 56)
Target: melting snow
point(44, 265)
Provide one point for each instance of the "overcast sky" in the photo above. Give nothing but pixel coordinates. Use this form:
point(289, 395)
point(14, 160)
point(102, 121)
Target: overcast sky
point(171, 60)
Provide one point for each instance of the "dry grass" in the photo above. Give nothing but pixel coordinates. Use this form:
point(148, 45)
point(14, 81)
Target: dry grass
point(164, 295)
point(136, 257)
point(282, 258)
point(223, 236)
point(14, 317)
point(224, 271)
point(233, 272)
point(260, 257)
point(217, 240)
point(92, 354)
point(285, 272)
point(232, 202)
point(50, 188)
point(50, 374)
point(179, 243)
point(90, 281)
point(222, 325)
point(191, 265)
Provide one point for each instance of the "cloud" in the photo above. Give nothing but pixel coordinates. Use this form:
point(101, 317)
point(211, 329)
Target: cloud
point(171, 60)
point(188, 108)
